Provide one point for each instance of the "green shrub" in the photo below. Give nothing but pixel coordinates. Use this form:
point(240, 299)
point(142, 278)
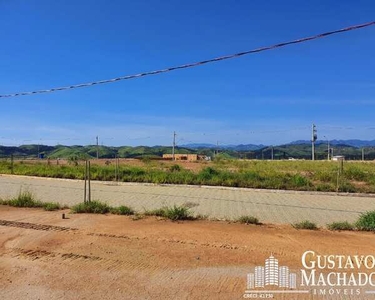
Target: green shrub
point(207, 174)
point(355, 173)
point(159, 212)
point(305, 225)
point(177, 213)
point(347, 187)
point(174, 213)
point(25, 199)
point(340, 226)
point(51, 206)
point(325, 176)
point(300, 181)
point(366, 221)
point(146, 159)
point(251, 176)
point(93, 207)
point(248, 220)
point(325, 187)
point(122, 210)
point(175, 168)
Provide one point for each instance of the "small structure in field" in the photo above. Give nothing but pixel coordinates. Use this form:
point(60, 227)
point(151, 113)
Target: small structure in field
point(338, 157)
point(187, 157)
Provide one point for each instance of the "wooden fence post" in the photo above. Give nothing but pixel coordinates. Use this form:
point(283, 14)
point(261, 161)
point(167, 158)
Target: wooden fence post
point(85, 177)
point(89, 179)
point(11, 164)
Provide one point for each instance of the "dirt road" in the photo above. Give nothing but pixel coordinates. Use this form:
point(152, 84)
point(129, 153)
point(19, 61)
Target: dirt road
point(278, 207)
point(113, 257)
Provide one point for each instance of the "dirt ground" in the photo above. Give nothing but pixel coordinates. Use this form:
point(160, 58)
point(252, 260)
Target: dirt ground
point(43, 256)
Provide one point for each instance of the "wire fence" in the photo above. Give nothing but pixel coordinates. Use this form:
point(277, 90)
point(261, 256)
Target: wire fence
point(339, 176)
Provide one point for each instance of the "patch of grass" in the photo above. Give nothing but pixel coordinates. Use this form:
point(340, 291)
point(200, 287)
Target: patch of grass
point(50, 206)
point(340, 226)
point(137, 217)
point(174, 213)
point(175, 168)
point(305, 225)
point(159, 212)
point(248, 220)
point(27, 199)
point(366, 221)
point(122, 210)
point(325, 187)
point(355, 173)
point(93, 207)
point(24, 199)
point(346, 187)
point(289, 175)
point(4, 202)
point(300, 181)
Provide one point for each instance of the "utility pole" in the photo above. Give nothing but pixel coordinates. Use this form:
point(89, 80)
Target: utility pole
point(314, 137)
point(174, 144)
point(97, 147)
point(216, 151)
point(39, 144)
point(87, 189)
point(328, 154)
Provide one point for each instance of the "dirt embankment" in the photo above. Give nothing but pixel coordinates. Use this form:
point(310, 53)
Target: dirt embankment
point(43, 256)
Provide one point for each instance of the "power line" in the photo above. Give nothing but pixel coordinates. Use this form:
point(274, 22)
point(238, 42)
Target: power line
point(190, 65)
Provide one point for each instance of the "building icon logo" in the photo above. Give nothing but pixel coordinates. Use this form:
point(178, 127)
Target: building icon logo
point(271, 275)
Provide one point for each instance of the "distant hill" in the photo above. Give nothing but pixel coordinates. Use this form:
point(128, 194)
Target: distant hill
point(353, 143)
point(90, 151)
point(199, 146)
point(246, 147)
point(297, 149)
point(303, 151)
point(231, 147)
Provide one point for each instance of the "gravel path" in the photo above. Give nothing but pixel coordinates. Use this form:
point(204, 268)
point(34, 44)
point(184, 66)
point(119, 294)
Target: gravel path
point(216, 202)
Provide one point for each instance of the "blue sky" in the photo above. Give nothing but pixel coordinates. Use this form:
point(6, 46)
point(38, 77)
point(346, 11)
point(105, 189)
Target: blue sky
point(269, 98)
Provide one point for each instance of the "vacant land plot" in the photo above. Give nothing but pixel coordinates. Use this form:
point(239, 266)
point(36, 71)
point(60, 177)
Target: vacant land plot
point(215, 202)
point(288, 175)
point(113, 257)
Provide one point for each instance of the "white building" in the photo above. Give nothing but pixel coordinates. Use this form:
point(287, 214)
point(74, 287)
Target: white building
point(284, 277)
point(292, 280)
point(259, 276)
point(271, 271)
point(250, 281)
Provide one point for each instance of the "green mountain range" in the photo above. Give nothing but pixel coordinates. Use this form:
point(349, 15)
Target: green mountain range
point(297, 151)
